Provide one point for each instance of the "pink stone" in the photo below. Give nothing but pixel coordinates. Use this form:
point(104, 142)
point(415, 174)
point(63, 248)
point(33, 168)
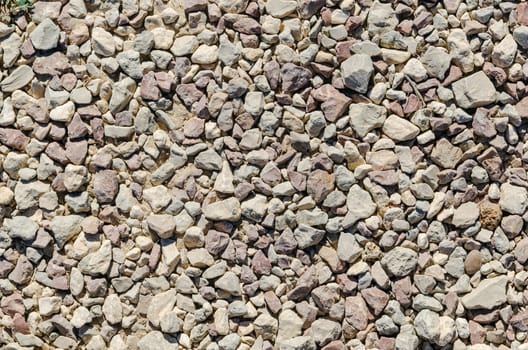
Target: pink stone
point(375, 298)
point(13, 304)
point(356, 312)
point(261, 264)
point(13, 138)
point(334, 103)
point(403, 291)
point(149, 87)
point(522, 13)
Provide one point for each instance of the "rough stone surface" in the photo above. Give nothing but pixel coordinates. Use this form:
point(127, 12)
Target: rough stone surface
point(257, 175)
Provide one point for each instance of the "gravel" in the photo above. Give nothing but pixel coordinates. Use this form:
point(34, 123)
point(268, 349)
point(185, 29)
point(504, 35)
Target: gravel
point(244, 175)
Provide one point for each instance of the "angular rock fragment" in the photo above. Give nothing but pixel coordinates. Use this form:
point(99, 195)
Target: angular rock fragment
point(476, 90)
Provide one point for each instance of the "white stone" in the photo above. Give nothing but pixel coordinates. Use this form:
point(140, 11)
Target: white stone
point(489, 294)
point(63, 113)
point(513, 199)
point(399, 129)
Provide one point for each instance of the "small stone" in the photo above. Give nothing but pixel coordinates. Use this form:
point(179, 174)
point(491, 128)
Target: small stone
point(159, 305)
point(97, 263)
point(520, 34)
point(45, 36)
point(155, 340)
point(298, 343)
point(356, 312)
point(208, 160)
point(400, 129)
point(474, 91)
point(230, 283)
point(266, 326)
point(348, 249)
point(473, 262)
point(130, 63)
point(106, 186)
point(65, 228)
point(521, 251)
point(63, 113)
point(400, 262)
point(227, 210)
point(18, 78)
point(489, 294)
point(360, 206)
point(281, 8)
point(513, 199)
point(112, 309)
point(102, 42)
point(415, 70)
point(22, 227)
point(22, 272)
point(445, 154)
point(294, 77)
point(319, 184)
point(466, 215)
point(356, 71)
point(205, 54)
point(504, 52)
point(381, 18)
point(433, 328)
point(365, 117)
point(49, 305)
point(184, 45)
point(149, 87)
point(307, 236)
point(436, 61)
point(162, 225)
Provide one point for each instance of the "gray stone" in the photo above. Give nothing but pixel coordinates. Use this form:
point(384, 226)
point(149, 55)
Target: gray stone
point(307, 236)
point(356, 72)
point(160, 304)
point(520, 34)
point(230, 283)
point(489, 294)
point(281, 8)
point(399, 129)
point(208, 160)
point(130, 63)
point(45, 36)
point(324, 331)
point(205, 54)
point(513, 199)
point(433, 328)
point(122, 93)
point(466, 215)
point(97, 263)
point(229, 342)
point(400, 262)
point(381, 18)
point(102, 42)
point(473, 91)
point(436, 61)
point(65, 228)
point(298, 343)
point(365, 117)
point(112, 309)
point(504, 52)
point(155, 340)
point(290, 325)
point(348, 249)
point(18, 78)
point(225, 210)
point(360, 206)
point(162, 225)
point(22, 227)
